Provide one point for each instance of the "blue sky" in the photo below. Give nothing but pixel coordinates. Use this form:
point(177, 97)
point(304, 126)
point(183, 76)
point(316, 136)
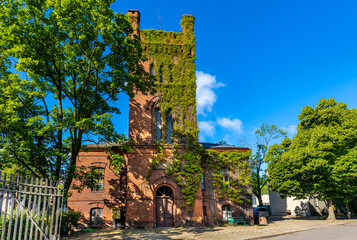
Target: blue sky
point(260, 61)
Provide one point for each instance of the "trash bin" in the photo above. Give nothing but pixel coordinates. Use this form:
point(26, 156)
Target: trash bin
point(263, 220)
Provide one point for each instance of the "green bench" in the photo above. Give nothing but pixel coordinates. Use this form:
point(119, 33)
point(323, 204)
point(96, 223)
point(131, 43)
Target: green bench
point(234, 220)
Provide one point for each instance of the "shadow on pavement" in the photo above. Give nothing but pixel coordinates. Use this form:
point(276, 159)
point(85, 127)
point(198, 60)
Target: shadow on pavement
point(272, 219)
point(133, 234)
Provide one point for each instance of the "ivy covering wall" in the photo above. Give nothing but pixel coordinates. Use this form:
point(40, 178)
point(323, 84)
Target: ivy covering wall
point(238, 186)
point(171, 57)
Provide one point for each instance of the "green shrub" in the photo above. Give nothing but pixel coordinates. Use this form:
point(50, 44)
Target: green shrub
point(70, 220)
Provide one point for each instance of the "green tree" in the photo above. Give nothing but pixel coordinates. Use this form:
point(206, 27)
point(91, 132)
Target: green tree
point(320, 160)
point(265, 136)
point(63, 64)
point(222, 142)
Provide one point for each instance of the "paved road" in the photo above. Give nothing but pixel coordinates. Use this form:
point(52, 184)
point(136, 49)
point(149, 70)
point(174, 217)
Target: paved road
point(339, 232)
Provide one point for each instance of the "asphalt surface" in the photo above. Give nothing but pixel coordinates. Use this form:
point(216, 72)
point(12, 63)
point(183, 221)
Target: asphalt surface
point(339, 232)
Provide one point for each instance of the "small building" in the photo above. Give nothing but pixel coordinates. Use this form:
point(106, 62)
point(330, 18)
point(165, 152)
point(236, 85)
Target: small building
point(7, 201)
point(265, 200)
point(288, 206)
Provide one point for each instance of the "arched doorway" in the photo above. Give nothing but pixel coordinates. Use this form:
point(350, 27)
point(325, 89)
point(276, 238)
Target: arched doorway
point(164, 207)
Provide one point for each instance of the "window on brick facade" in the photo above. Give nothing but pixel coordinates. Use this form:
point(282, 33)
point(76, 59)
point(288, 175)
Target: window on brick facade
point(152, 70)
point(226, 212)
point(203, 181)
point(161, 75)
point(157, 116)
point(204, 211)
point(96, 217)
point(225, 177)
point(169, 126)
point(99, 182)
point(158, 125)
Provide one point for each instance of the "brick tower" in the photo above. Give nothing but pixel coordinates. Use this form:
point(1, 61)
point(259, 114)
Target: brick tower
point(170, 58)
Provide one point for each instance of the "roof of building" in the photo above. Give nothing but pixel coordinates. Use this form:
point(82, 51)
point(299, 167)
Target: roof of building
point(103, 145)
point(221, 146)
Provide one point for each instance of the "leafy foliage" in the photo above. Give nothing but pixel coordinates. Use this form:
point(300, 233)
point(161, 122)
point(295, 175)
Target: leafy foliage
point(320, 161)
point(265, 136)
point(171, 56)
point(63, 65)
point(70, 220)
point(237, 188)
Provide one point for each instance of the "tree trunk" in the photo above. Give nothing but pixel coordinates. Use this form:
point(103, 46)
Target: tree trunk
point(331, 213)
point(260, 200)
point(348, 209)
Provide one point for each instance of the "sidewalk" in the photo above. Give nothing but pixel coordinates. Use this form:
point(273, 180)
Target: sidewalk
point(277, 226)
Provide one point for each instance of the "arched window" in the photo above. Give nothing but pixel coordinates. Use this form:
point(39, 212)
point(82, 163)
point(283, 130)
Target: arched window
point(226, 212)
point(164, 192)
point(158, 125)
point(96, 216)
point(157, 120)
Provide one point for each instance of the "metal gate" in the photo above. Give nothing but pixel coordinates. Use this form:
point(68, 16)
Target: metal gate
point(30, 209)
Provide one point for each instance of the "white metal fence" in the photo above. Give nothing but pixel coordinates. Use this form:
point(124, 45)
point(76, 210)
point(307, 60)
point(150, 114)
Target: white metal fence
point(30, 208)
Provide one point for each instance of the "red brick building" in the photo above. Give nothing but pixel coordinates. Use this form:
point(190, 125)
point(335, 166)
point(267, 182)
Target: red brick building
point(144, 194)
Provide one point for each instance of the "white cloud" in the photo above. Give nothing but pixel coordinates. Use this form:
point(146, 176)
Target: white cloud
point(292, 129)
point(205, 95)
point(235, 125)
point(207, 128)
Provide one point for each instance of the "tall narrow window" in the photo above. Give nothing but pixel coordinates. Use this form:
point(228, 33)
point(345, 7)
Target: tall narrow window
point(152, 70)
point(204, 211)
point(171, 72)
point(169, 126)
point(99, 181)
point(203, 182)
point(254, 201)
point(226, 212)
point(225, 177)
point(157, 124)
point(96, 217)
point(161, 75)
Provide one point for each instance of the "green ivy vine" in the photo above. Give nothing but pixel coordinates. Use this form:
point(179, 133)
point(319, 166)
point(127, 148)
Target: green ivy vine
point(238, 185)
point(172, 57)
